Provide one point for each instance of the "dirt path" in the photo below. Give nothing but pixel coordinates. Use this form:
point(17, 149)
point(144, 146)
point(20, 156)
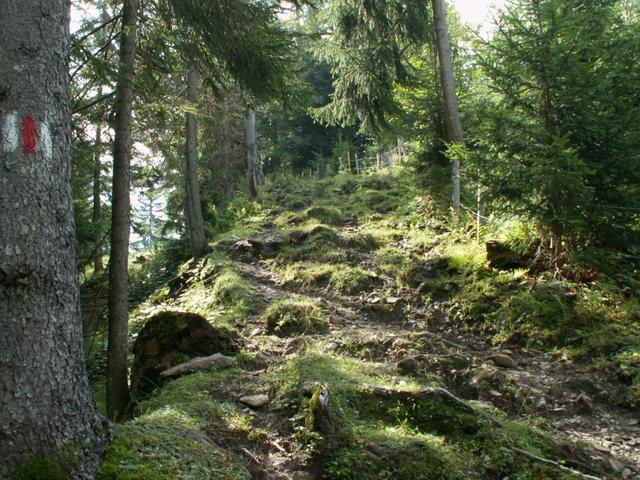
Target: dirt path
point(572, 400)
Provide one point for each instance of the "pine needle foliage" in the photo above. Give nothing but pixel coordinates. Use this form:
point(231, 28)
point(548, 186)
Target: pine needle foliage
point(367, 49)
point(237, 39)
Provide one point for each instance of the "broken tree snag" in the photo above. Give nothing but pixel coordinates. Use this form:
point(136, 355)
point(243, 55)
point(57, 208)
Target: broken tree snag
point(321, 417)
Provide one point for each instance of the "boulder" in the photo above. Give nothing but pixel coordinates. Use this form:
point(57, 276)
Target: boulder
point(169, 339)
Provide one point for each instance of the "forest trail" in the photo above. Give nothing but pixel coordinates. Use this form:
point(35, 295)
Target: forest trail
point(343, 288)
point(418, 338)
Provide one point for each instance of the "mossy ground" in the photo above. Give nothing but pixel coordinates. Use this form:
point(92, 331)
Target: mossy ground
point(295, 316)
point(169, 439)
point(423, 438)
point(359, 241)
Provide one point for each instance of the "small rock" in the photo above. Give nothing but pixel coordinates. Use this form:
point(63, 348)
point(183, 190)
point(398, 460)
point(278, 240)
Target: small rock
point(487, 374)
point(626, 473)
point(501, 360)
point(255, 332)
point(583, 402)
point(332, 347)
point(392, 300)
point(255, 401)
point(262, 360)
point(615, 465)
point(409, 365)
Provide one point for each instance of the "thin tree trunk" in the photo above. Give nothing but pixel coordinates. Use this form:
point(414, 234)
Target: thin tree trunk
point(226, 150)
point(193, 206)
point(46, 407)
point(447, 80)
point(96, 217)
point(118, 398)
point(252, 152)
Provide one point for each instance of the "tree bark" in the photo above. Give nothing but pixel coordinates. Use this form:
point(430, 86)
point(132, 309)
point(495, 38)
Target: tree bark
point(448, 83)
point(252, 152)
point(192, 187)
point(46, 406)
point(118, 398)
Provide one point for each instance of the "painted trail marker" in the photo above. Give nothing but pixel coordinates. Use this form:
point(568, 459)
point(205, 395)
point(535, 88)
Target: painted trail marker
point(29, 135)
point(25, 133)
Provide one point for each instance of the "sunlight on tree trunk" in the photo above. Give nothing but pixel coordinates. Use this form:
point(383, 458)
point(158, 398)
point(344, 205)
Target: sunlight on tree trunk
point(447, 79)
point(193, 206)
point(117, 373)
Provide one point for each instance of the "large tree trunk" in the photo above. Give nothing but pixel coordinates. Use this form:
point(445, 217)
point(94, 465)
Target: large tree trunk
point(117, 385)
point(46, 407)
point(253, 162)
point(193, 206)
point(448, 83)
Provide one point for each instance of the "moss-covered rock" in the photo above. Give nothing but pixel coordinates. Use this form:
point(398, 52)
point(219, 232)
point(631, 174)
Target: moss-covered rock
point(170, 338)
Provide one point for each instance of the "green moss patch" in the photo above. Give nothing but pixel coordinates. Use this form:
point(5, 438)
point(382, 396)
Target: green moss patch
point(339, 277)
point(295, 316)
point(328, 215)
point(401, 433)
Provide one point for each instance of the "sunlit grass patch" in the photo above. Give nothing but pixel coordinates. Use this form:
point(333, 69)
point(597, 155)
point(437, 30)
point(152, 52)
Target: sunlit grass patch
point(167, 444)
point(295, 316)
point(339, 277)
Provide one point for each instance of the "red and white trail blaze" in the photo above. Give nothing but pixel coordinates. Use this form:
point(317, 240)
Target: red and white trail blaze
point(26, 134)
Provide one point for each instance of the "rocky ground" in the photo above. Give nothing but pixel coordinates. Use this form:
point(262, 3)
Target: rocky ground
point(344, 371)
point(572, 399)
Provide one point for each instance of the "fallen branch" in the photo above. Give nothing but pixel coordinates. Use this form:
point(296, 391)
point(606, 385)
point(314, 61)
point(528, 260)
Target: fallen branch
point(551, 463)
point(251, 456)
point(198, 364)
point(436, 393)
point(440, 339)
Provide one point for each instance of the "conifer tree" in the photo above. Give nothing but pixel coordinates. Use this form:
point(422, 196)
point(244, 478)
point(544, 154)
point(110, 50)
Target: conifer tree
point(47, 415)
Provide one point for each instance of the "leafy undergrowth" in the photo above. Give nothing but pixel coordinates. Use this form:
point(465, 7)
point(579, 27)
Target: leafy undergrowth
point(596, 321)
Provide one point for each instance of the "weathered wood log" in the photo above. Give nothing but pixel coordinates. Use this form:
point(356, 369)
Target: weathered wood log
point(199, 364)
